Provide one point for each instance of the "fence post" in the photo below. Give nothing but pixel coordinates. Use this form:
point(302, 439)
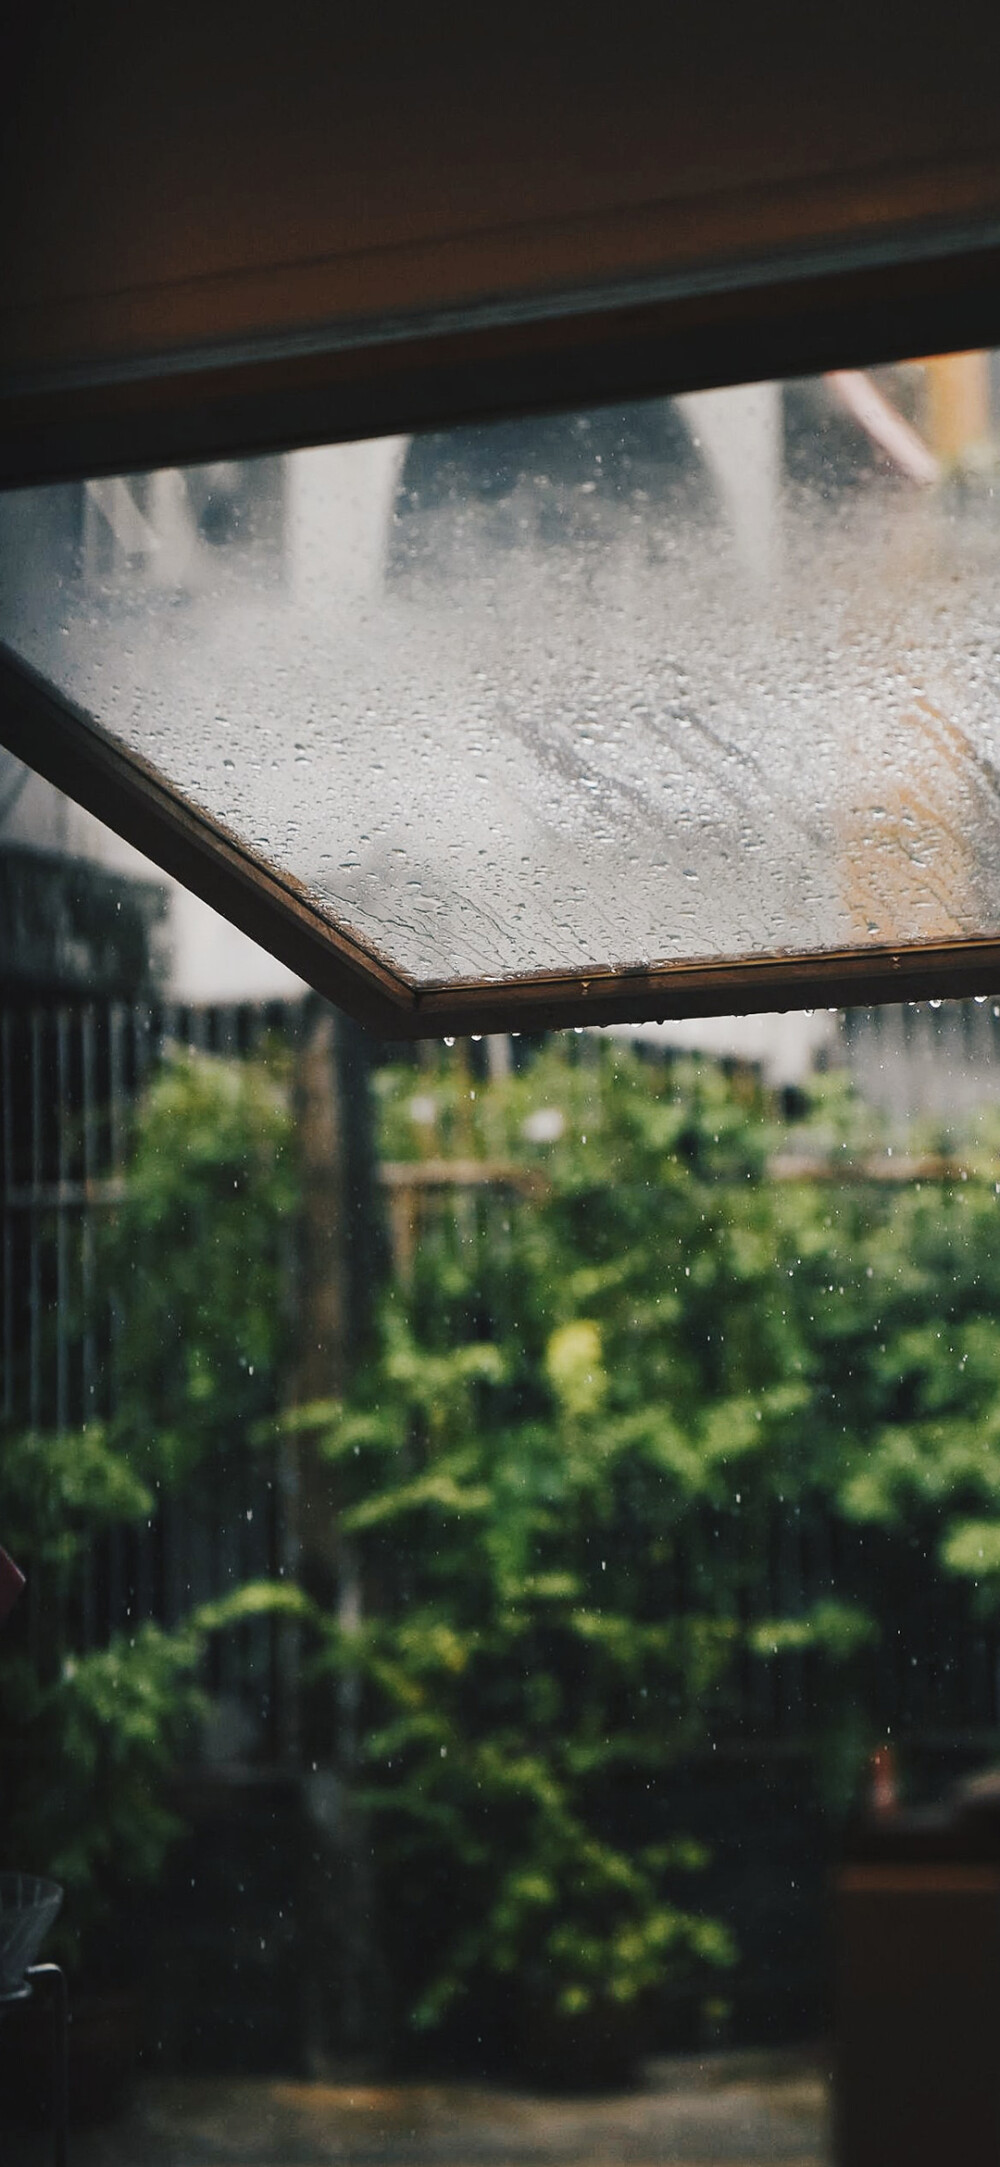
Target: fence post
point(338, 1201)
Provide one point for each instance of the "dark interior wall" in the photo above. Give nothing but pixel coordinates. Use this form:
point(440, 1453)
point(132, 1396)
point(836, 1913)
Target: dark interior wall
point(206, 182)
point(151, 150)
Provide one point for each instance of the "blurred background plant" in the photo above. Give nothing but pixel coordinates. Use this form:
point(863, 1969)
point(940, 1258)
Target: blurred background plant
point(632, 1445)
point(193, 1267)
point(678, 1439)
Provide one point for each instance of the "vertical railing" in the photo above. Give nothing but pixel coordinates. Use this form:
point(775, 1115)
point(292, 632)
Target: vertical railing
point(69, 1078)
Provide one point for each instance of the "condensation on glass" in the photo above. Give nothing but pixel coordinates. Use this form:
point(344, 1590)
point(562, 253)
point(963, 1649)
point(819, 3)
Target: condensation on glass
point(709, 677)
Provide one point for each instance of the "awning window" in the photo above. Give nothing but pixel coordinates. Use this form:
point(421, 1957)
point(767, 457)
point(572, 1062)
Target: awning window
point(688, 704)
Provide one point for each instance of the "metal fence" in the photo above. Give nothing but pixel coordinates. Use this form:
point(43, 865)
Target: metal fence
point(69, 1080)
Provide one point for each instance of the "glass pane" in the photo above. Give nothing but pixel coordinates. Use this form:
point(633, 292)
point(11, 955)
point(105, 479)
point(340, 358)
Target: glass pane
point(709, 677)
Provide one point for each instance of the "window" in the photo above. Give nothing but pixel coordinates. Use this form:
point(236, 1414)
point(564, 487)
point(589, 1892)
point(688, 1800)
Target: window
point(678, 706)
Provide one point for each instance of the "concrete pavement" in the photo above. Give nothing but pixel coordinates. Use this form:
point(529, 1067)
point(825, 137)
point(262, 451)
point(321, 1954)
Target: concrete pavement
point(720, 2110)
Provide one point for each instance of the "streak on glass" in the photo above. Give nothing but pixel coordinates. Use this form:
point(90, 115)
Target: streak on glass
point(714, 677)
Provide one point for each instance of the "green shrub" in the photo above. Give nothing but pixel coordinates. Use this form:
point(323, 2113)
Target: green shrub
point(196, 1262)
point(594, 1412)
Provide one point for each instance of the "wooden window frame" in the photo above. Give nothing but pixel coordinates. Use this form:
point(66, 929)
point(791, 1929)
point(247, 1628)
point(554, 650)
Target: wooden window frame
point(936, 292)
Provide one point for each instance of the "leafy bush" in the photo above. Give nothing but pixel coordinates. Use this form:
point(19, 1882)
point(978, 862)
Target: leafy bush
point(565, 1415)
point(196, 1263)
point(613, 1396)
point(599, 1417)
point(198, 1260)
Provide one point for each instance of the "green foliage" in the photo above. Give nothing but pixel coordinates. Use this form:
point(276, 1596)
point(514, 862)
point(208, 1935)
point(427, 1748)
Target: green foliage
point(607, 1402)
point(838, 1629)
point(195, 1264)
point(87, 1753)
point(972, 1548)
point(198, 1257)
point(539, 1474)
point(902, 1303)
point(594, 1414)
point(87, 1736)
point(60, 1489)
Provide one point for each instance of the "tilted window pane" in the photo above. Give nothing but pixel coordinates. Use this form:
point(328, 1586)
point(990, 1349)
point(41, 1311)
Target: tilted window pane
point(713, 677)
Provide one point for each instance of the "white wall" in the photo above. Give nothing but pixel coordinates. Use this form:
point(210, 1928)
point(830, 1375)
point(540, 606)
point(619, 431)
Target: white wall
point(211, 961)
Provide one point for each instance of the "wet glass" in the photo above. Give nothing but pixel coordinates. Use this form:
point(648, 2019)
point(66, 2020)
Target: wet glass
point(713, 677)
point(648, 1657)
